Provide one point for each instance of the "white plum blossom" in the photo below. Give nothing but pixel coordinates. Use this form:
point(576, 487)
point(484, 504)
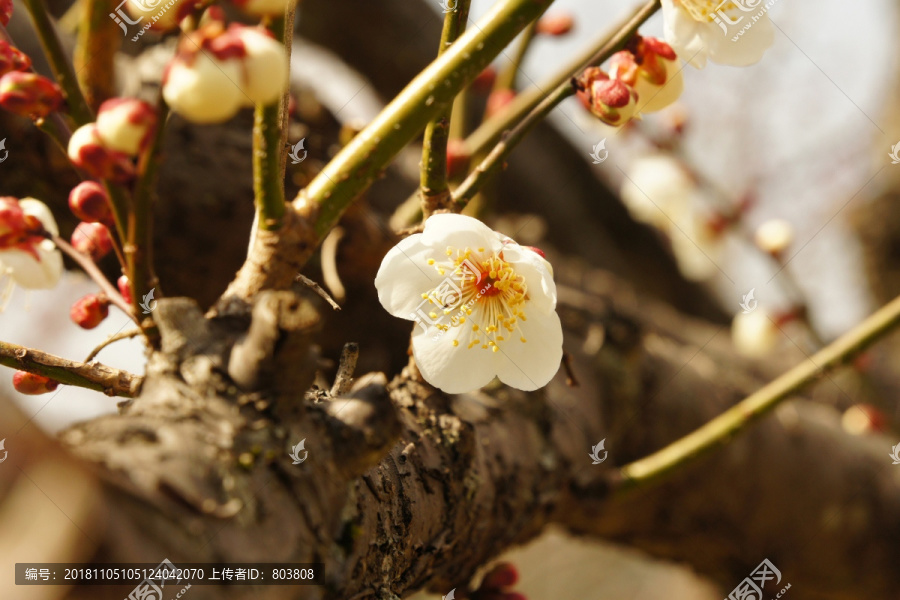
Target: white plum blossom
point(485, 306)
point(26, 256)
point(723, 32)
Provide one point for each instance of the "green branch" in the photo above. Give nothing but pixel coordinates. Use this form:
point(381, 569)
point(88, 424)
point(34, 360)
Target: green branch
point(428, 95)
point(736, 419)
point(95, 51)
point(93, 376)
point(59, 62)
point(268, 148)
point(434, 189)
point(491, 131)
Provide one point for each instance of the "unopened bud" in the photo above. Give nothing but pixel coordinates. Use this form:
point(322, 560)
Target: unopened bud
point(126, 124)
point(29, 94)
point(774, 236)
point(90, 203)
point(863, 418)
point(652, 68)
point(12, 59)
point(501, 576)
point(265, 65)
point(457, 158)
point(498, 101)
point(124, 288)
point(88, 312)
point(87, 151)
point(33, 384)
point(555, 25)
point(612, 101)
point(754, 334)
point(92, 239)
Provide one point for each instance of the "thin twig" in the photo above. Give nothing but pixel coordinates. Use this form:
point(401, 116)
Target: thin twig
point(122, 335)
point(720, 430)
point(318, 289)
point(330, 274)
point(571, 380)
point(93, 376)
point(343, 381)
point(433, 180)
point(93, 271)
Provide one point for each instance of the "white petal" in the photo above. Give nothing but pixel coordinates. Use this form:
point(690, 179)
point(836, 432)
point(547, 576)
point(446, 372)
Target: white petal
point(39, 210)
point(404, 275)
point(32, 274)
point(453, 369)
point(653, 98)
point(207, 91)
point(459, 231)
point(538, 277)
point(684, 34)
point(532, 364)
point(265, 66)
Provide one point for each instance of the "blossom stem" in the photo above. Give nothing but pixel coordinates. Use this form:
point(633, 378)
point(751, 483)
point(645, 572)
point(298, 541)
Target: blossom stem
point(59, 62)
point(718, 431)
point(433, 184)
point(94, 273)
point(139, 248)
point(95, 50)
point(429, 94)
point(506, 78)
point(93, 376)
point(490, 131)
point(268, 147)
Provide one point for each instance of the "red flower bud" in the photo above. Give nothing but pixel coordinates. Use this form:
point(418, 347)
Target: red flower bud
point(29, 94)
point(92, 239)
point(126, 124)
point(89, 202)
point(12, 59)
point(6, 8)
point(457, 158)
point(33, 384)
point(88, 312)
point(87, 151)
point(611, 100)
point(484, 81)
point(12, 218)
point(555, 25)
point(502, 575)
point(498, 100)
point(124, 288)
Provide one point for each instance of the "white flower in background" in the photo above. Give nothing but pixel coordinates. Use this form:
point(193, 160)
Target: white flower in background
point(774, 236)
point(754, 334)
point(711, 29)
point(485, 306)
point(218, 71)
point(26, 256)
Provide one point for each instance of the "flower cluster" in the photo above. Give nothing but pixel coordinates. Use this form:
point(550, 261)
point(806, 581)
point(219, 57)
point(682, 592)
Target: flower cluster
point(485, 306)
point(218, 70)
point(645, 77)
point(26, 255)
point(106, 149)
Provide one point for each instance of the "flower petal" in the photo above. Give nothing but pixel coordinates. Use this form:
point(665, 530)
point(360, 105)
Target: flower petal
point(32, 274)
point(538, 276)
point(404, 275)
point(749, 47)
point(531, 365)
point(452, 369)
point(463, 231)
point(684, 34)
point(39, 210)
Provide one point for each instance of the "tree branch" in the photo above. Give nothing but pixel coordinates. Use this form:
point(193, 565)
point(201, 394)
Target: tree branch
point(93, 376)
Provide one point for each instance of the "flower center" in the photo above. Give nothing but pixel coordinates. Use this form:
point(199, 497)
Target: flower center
point(480, 300)
point(703, 10)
